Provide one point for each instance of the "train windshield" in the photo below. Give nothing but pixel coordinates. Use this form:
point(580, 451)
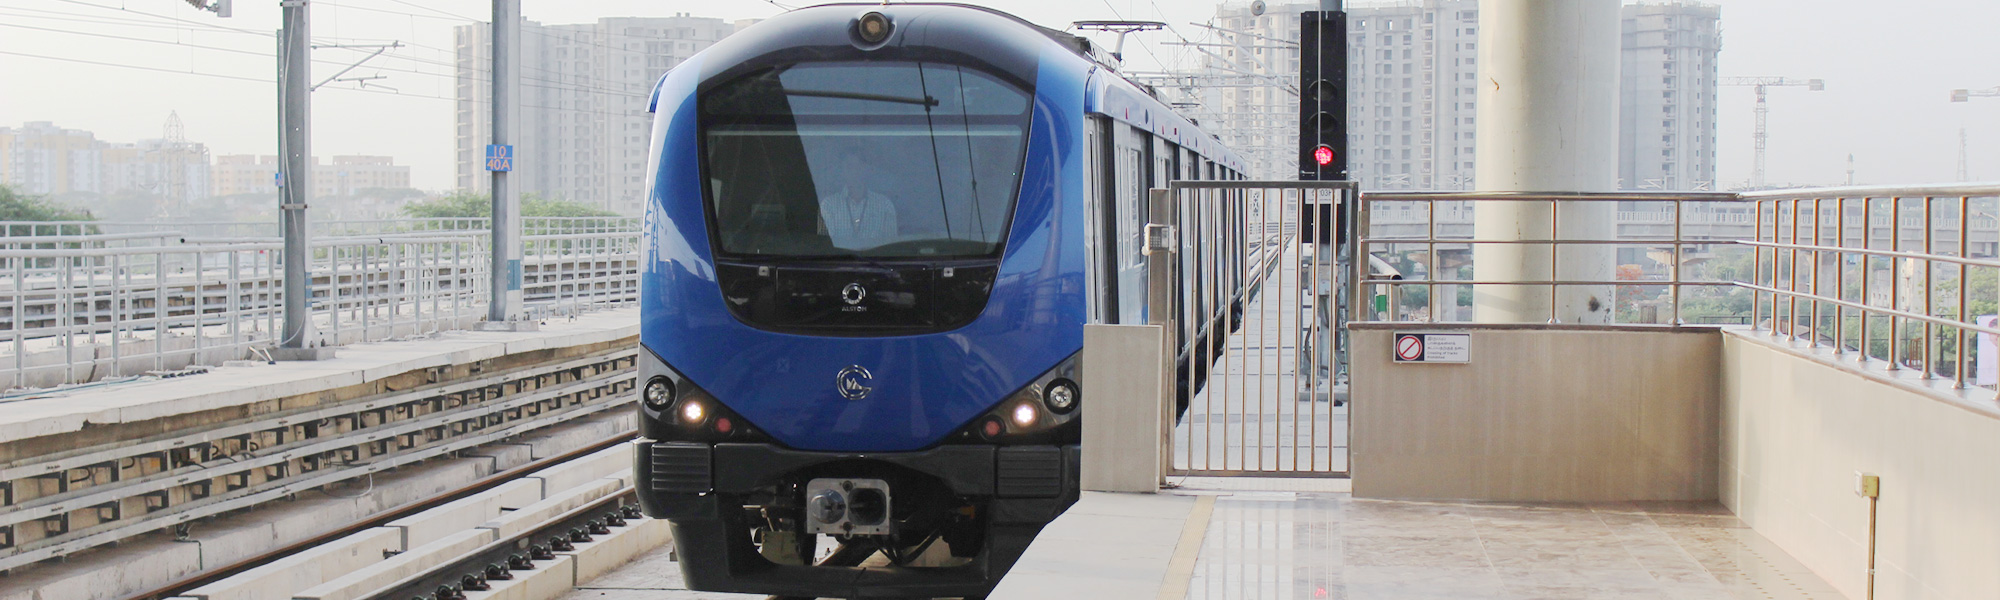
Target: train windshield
point(896, 160)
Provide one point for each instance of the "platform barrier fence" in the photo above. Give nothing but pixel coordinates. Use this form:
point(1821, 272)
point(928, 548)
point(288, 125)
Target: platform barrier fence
point(1899, 276)
point(83, 306)
point(1242, 277)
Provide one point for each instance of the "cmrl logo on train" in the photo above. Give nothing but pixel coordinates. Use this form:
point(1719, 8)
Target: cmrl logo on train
point(853, 382)
point(1432, 348)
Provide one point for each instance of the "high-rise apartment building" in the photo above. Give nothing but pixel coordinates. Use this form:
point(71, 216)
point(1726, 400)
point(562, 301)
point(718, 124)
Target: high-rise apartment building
point(584, 128)
point(1666, 128)
point(1412, 82)
point(40, 158)
point(1409, 105)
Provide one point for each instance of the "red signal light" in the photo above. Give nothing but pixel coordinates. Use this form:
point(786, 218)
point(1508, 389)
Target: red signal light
point(1323, 155)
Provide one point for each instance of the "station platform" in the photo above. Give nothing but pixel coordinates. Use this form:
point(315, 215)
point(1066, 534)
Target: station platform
point(1218, 538)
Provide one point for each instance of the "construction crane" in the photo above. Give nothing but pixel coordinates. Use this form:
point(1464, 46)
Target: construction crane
point(1763, 109)
point(1967, 96)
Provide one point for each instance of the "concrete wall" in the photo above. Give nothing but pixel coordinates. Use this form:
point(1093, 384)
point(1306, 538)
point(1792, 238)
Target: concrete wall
point(1541, 413)
point(1124, 416)
point(1797, 426)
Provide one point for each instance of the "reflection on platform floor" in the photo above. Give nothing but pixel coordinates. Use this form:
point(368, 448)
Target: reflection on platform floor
point(1266, 544)
point(1320, 545)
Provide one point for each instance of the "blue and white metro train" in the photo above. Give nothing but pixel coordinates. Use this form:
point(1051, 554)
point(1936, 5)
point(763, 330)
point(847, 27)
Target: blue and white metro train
point(873, 237)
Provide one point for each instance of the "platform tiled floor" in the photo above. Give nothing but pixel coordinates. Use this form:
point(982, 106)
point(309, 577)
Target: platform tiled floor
point(1267, 544)
point(1321, 545)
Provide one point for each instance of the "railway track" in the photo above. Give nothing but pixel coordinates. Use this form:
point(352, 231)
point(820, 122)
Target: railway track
point(485, 484)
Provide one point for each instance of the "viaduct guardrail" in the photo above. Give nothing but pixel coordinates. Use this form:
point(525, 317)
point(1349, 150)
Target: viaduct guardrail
point(81, 305)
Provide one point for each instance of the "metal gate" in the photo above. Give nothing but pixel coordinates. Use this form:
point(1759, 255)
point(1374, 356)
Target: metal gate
point(1244, 276)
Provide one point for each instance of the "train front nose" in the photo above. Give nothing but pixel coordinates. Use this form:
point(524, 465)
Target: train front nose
point(751, 512)
point(949, 520)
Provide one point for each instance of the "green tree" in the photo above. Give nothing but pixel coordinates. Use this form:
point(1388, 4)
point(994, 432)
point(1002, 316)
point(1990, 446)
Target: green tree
point(16, 206)
point(468, 204)
point(458, 204)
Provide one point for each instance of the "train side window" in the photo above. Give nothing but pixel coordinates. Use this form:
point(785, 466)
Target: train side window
point(1134, 203)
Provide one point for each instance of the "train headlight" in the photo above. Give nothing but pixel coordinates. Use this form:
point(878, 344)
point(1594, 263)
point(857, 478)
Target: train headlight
point(692, 413)
point(1043, 411)
point(659, 393)
point(1025, 414)
point(873, 27)
point(1061, 396)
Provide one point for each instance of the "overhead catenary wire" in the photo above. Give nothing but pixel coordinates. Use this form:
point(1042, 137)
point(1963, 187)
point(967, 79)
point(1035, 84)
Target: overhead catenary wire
point(139, 67)
point(589, 85)
point(41, 13)
point(167, 17)
point(137, 39)
point(636, 110)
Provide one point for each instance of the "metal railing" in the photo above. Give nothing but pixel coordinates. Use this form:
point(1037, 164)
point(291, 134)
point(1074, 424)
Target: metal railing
point(1832, 271)
point(1904, 275)
point(347, 227)
point(1566, 241)
point(1242, 276)
point(88, 307)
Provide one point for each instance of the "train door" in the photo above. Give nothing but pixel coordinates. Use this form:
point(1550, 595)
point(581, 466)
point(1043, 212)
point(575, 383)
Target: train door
point(1100, 233)
point(1133, 149)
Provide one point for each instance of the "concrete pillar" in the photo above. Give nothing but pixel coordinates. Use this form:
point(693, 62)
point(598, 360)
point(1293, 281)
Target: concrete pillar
point(1547, 122)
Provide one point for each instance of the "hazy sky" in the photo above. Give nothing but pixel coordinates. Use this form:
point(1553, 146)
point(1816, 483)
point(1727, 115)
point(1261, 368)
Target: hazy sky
point(1889, 67)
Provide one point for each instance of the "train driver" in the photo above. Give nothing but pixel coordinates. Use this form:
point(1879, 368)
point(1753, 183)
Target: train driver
point(856, 217)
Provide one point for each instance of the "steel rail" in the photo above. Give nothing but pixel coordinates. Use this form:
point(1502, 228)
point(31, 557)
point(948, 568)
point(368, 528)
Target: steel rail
point(258, 495)
point(608, 385)
point(59, 504)
point(197, 580)
point(81, 459)
point(471, 567)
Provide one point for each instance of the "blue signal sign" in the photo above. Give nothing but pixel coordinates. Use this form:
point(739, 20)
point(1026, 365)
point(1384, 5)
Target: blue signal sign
point(499, 157)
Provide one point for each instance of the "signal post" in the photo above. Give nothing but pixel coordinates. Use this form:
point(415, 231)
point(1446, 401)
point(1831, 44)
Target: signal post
point(1323, 151)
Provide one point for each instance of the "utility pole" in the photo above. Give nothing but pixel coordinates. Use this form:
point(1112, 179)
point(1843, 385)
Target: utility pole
point(1966, 96)
point(1763, 109)
point(503, 310)
point(295, 179)
point(1962, 174)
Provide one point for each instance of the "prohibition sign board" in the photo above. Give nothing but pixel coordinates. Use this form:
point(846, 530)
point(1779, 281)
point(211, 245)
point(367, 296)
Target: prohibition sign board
point(1409, 347)
point(1455, 348)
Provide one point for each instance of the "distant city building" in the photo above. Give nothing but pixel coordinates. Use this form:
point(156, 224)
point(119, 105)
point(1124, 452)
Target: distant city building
point(235, 174)
point(40, 158)
point(177, 171)
point(1667, 109)
point(584, 128)
point(1412, 84)
point(346, 176)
